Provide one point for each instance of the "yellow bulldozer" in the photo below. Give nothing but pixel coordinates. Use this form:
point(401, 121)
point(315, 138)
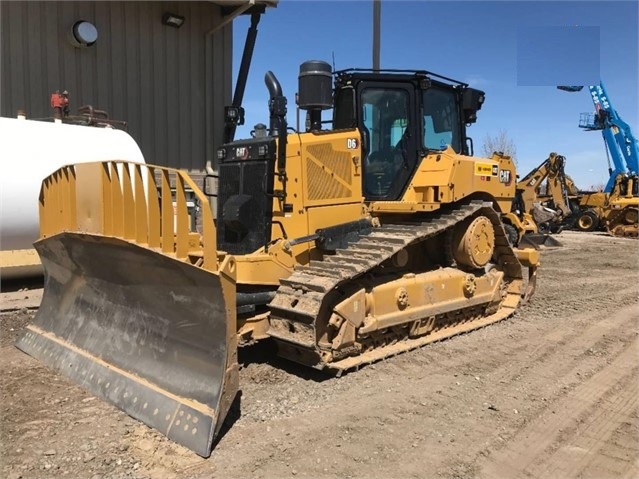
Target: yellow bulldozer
point(620, 212)
point(342, 246)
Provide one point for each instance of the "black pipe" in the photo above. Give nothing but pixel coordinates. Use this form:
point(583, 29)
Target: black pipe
point(273, 85)
point(242, 76)
point(277, 123)
point(315, 117)
point(262, 297)
point(377, 13)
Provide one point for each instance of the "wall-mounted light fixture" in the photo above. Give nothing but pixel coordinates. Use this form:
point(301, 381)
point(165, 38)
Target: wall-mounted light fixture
point(83, 34)
point(172, 20)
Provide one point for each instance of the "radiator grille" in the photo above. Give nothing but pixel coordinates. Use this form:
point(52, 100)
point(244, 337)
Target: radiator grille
point(244, 206)
point(321, 185)
point(328, 172)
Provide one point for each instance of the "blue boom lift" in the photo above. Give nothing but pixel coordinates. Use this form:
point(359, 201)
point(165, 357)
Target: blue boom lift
point(620, 143)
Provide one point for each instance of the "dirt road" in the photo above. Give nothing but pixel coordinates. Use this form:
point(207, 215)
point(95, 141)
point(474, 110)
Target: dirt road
point(551, 393)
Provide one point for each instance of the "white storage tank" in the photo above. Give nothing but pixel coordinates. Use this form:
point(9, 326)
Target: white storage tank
point(29, 152)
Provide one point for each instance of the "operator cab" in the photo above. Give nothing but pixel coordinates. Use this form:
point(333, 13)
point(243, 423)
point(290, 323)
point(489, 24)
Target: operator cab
point(402, 116)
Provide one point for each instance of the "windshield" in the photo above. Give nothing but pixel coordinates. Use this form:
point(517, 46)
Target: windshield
point(442, 124)
point(385, 116)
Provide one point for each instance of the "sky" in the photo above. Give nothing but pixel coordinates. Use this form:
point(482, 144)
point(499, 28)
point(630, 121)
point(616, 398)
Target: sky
point(515, 51)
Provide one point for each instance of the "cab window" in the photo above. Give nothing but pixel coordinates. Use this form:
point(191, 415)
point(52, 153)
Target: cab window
point(442, 123)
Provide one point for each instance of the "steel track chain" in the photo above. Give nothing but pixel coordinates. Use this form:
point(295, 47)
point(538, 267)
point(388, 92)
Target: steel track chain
point(627, 230)
point(300, 297)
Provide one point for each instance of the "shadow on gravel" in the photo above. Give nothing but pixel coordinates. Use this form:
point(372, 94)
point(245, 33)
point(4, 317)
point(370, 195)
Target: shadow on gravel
point(262, 358)
point(10, 285)
point(233, 415)
point(265, 352)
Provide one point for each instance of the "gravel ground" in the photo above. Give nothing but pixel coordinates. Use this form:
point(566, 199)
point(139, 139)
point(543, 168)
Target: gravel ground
point(551, 392)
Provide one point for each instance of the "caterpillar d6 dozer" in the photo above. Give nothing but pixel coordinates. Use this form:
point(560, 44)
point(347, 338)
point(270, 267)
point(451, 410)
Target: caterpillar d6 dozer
point(342, 246)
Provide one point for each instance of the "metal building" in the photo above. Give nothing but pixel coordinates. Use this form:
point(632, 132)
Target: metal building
point(163, 67)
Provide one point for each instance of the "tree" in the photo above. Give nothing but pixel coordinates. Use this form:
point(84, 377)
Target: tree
point(500, 142)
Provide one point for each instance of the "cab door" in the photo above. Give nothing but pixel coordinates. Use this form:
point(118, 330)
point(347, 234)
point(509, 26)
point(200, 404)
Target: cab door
point(388, 122)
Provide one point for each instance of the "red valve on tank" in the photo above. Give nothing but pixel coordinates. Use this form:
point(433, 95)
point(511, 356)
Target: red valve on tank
point(60, 104)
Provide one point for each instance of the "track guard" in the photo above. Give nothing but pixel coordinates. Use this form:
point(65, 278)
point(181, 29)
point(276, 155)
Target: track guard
point(151, 334)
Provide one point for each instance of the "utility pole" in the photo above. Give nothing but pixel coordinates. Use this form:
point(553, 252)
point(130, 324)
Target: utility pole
point(377, 13)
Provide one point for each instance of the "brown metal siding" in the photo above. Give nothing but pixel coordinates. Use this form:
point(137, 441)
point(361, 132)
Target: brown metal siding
point(169, 84)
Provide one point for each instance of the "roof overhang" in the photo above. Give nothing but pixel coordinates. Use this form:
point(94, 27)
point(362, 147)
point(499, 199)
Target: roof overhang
point(231, 9)
point(236, 3)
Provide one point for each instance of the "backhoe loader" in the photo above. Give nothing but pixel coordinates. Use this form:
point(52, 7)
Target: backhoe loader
point(615, 212)
point(532, 219)
point(342, 246)
point(581, 204)
point(551, 174)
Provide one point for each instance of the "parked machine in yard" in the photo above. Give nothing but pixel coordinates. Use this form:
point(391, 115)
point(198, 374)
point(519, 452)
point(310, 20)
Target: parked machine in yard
point(596, 210)
point(343, 246)
point(543, 193)
point(618, 209)
point(585, 205)
point(621, 211)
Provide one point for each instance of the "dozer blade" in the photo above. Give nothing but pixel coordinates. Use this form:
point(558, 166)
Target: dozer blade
point(532, 240)
point(141, 330)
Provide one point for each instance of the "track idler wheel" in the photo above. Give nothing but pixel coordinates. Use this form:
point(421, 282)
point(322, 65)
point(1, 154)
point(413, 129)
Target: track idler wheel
point(473, 242)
